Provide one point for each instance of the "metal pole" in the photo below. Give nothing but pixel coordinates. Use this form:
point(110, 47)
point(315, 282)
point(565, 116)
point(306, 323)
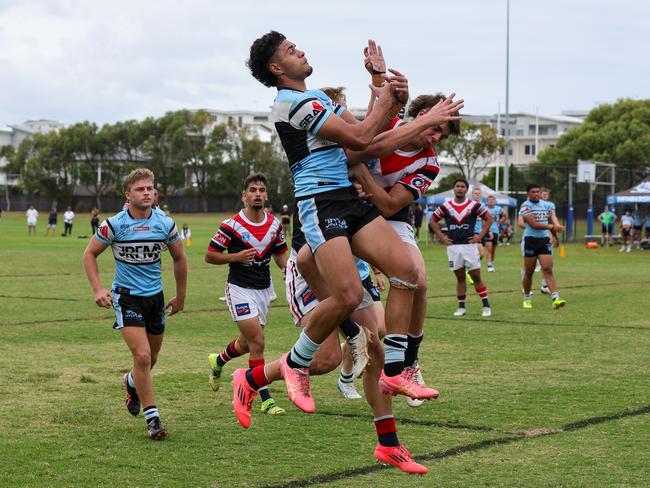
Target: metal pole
point(536, 132)
point(506, 163)
point(569, 217)
point(496, 185)
point(590, 211)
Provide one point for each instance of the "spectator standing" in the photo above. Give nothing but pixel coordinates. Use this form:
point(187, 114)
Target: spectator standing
point(186, 235)
point(285, 219)
point(51, 223)
point(607, 219)
point(94, 219)
point(68, 217)
point(32, 219)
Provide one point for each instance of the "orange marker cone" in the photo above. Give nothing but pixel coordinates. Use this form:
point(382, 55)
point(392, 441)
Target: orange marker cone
point(562, 252)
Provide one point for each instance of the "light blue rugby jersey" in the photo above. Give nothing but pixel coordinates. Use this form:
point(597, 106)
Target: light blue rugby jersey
point(317, 165)
point(137, 245)
point(495, 212)
point(542, 212)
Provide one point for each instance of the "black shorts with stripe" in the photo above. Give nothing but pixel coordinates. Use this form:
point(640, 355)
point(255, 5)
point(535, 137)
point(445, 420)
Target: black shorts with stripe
point(135, 311)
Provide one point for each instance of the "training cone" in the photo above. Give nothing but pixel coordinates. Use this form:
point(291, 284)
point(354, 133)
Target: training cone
point(562, 252)
point(188, 242)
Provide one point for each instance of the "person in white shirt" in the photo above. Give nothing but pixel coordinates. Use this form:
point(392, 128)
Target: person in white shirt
point(68, 216)
point(186, 235)
point(32, 218)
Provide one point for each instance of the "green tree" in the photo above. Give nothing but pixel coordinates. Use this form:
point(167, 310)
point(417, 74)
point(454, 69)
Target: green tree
point(97, 152)
point(162, 148)
point(612, 133)
point(473, 149)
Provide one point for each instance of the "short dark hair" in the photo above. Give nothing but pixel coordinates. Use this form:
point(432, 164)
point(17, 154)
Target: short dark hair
point(463, 180)
point(531, 186)
point(426, 102)
point(262, 50)
point(261, 177)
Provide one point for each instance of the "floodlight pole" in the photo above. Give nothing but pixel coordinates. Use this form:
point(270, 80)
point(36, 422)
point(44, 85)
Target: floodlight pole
point(590, 210)
point(506, 162)
point(569, 217)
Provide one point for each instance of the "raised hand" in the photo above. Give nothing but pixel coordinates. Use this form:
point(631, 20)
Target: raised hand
point(444, 111)
point(374, 58)
point(400, 86)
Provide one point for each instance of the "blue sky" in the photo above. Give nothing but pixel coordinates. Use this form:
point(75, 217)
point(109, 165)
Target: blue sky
point(103, 61)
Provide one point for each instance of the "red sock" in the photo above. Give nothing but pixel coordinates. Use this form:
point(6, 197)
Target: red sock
point(256, 377)
point(387, 431)
point(255, 362)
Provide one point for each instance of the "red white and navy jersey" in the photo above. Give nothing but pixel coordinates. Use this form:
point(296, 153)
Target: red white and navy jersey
point(415, 170)
point(237, 234)
point(460, 217)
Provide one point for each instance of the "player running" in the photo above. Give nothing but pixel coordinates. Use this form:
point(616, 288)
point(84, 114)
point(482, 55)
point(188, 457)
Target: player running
point(499, 217)
point(461, 215)
point(138, 236)
point(251, 238)
point(536, 214)
point(400, 166)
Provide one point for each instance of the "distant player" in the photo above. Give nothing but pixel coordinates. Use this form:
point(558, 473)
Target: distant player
point(499, 217)
point(627, 222)
point(285, 218)
point(138, 236)
point(246, 242)
point(461, 215)
point(538, 232)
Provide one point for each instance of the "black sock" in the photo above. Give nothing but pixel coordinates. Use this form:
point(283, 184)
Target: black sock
point(349, 328)
point(486, 303)
point(412, 349)
point(461, 301)
point(251, 381)
point(264, 393)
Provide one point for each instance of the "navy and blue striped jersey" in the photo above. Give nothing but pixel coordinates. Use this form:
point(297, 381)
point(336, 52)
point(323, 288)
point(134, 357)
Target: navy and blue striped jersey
point(317, 165)
point(137, 246)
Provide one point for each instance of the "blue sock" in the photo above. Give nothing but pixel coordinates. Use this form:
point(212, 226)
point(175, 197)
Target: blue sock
point(394, 352)
point(302, 352)
point(555, 295)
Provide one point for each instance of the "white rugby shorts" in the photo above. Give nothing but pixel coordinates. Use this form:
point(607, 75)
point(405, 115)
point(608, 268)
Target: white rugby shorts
point(404, 231)
point(247, 303)
point(300, 298)
point(463, 256)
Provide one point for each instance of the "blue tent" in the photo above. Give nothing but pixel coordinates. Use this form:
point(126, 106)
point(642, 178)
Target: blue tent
point(504, 200)
point(639, 194)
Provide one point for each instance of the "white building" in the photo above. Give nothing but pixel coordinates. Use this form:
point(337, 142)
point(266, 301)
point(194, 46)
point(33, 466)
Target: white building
point(15, 134)
point(258, 122)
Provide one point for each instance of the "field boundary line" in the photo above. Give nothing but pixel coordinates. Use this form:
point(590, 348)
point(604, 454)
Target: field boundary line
point(516, 436)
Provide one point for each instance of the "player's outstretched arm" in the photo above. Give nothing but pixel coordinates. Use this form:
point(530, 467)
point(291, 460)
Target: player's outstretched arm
point(103, 297)
point(385, 143)
point(358, 136)
point(177, 303)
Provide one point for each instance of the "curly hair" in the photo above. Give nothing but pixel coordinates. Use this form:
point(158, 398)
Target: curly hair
point(335, 93)
point(425, 102)
point(262, 50)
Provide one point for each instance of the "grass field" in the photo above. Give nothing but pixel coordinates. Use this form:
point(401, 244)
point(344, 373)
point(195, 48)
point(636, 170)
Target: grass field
point(528, 398)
